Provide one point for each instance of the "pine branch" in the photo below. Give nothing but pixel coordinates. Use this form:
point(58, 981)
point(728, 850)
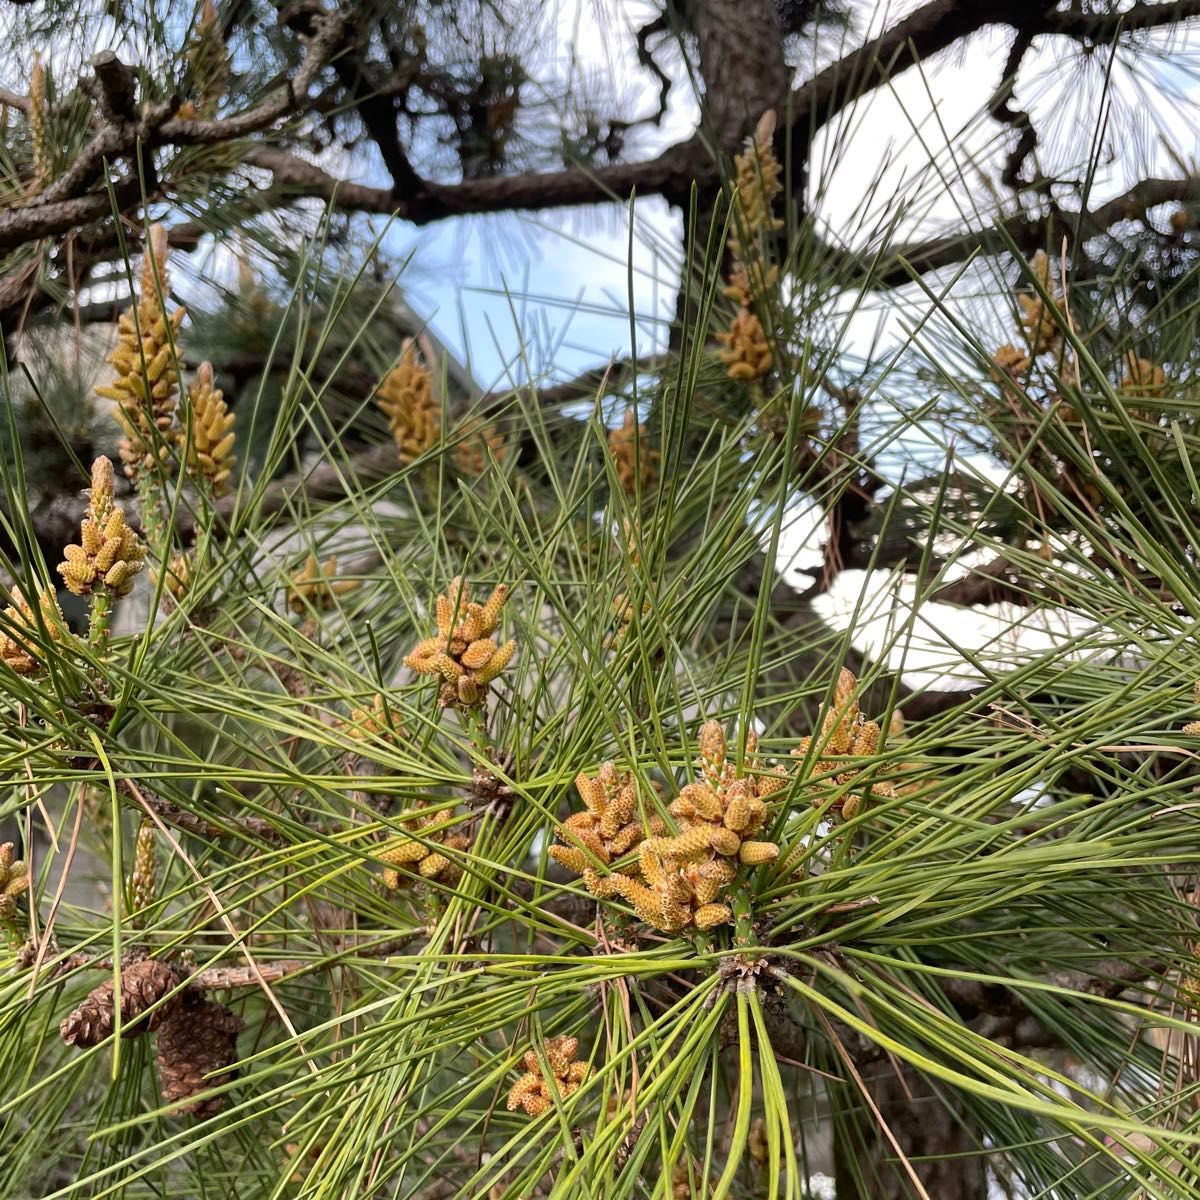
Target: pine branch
point(671, 173)
point(378, 113)
point(1031, 233)
point(250, 829)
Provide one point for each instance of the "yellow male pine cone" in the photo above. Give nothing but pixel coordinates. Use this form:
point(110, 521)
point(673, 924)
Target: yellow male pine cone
point(380, 721)
point(108, 554)
point(1037, 320)
point(1143, 377)
point(674, 895)
point(211, 454)
point(535, 1092)
point(844, 731)
point(146, 378)
point(20, 632)
point(420, 853)
point(722, 811)
point(1009, 362)
point(608, 826)
point(39, 137)
point(476, 446)
point(179, 575)
point(314, 586)
point(14, 882)
point(405, 395)
point(144, 878)
point(464, 654)
point(747, 354)
point(636, 463)
point(757, 179)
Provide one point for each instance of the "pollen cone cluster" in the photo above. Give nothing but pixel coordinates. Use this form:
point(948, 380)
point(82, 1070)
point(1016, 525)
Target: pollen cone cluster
point(1143, 378)
point(143, 880)
point(464, 654)
point(723, 810)
point(757, 178)
point(179, 575)
point(20, 631)
point(1037, 320)
point(1009, 362)
point(315, 586)
point(844, 732)
point(681, 1181)
point(109, 554)
point(536, 1092)
point(211, 455)
point(197, 1042)
point(477, 445)
point(419, 856)
point(39, 136)
point(636, 463)
point(747, 354)
point(379, 721)
point(146, 380)
point(608, 826)
point(671, 895)
point(405, 395)
point(681, 878)
point(143, 984)
point(14, 882)
point(208, 59)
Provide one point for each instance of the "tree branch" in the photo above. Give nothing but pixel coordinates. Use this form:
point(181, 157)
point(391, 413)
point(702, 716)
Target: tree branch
point(1003, 110)
point(1031, 233)
point(14, 100)
point(940, 24)
point(671, 174)
point(251, 829)
point(378, 113)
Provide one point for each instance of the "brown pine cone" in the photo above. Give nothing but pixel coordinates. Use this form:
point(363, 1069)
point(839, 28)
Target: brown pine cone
point(143, 983)
point(199, 1037)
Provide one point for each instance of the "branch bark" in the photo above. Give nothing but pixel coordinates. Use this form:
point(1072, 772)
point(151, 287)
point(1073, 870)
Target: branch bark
point(250, 829)
point(1030, 233)
point(741, 86)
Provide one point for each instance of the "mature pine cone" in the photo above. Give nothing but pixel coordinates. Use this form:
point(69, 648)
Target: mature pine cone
point(143, 983)
point(198, 1038)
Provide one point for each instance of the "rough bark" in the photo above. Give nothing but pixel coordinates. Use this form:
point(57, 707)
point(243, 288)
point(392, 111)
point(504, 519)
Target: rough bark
point(740, 59)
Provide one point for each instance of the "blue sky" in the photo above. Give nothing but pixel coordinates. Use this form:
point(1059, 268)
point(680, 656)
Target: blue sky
point(556, 291)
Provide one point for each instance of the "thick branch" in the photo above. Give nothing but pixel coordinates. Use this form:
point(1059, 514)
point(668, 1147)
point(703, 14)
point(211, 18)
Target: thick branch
point(378, 113)
point(14, 100)
point(1031, 233)
point(938, 25)
point(1004, 110)
point(117, 87)
point(252, 829)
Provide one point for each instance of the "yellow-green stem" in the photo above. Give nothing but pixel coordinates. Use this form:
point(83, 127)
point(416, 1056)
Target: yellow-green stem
point(98, 619)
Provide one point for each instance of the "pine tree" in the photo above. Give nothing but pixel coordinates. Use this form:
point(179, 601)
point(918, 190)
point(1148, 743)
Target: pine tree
point(418, 790)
